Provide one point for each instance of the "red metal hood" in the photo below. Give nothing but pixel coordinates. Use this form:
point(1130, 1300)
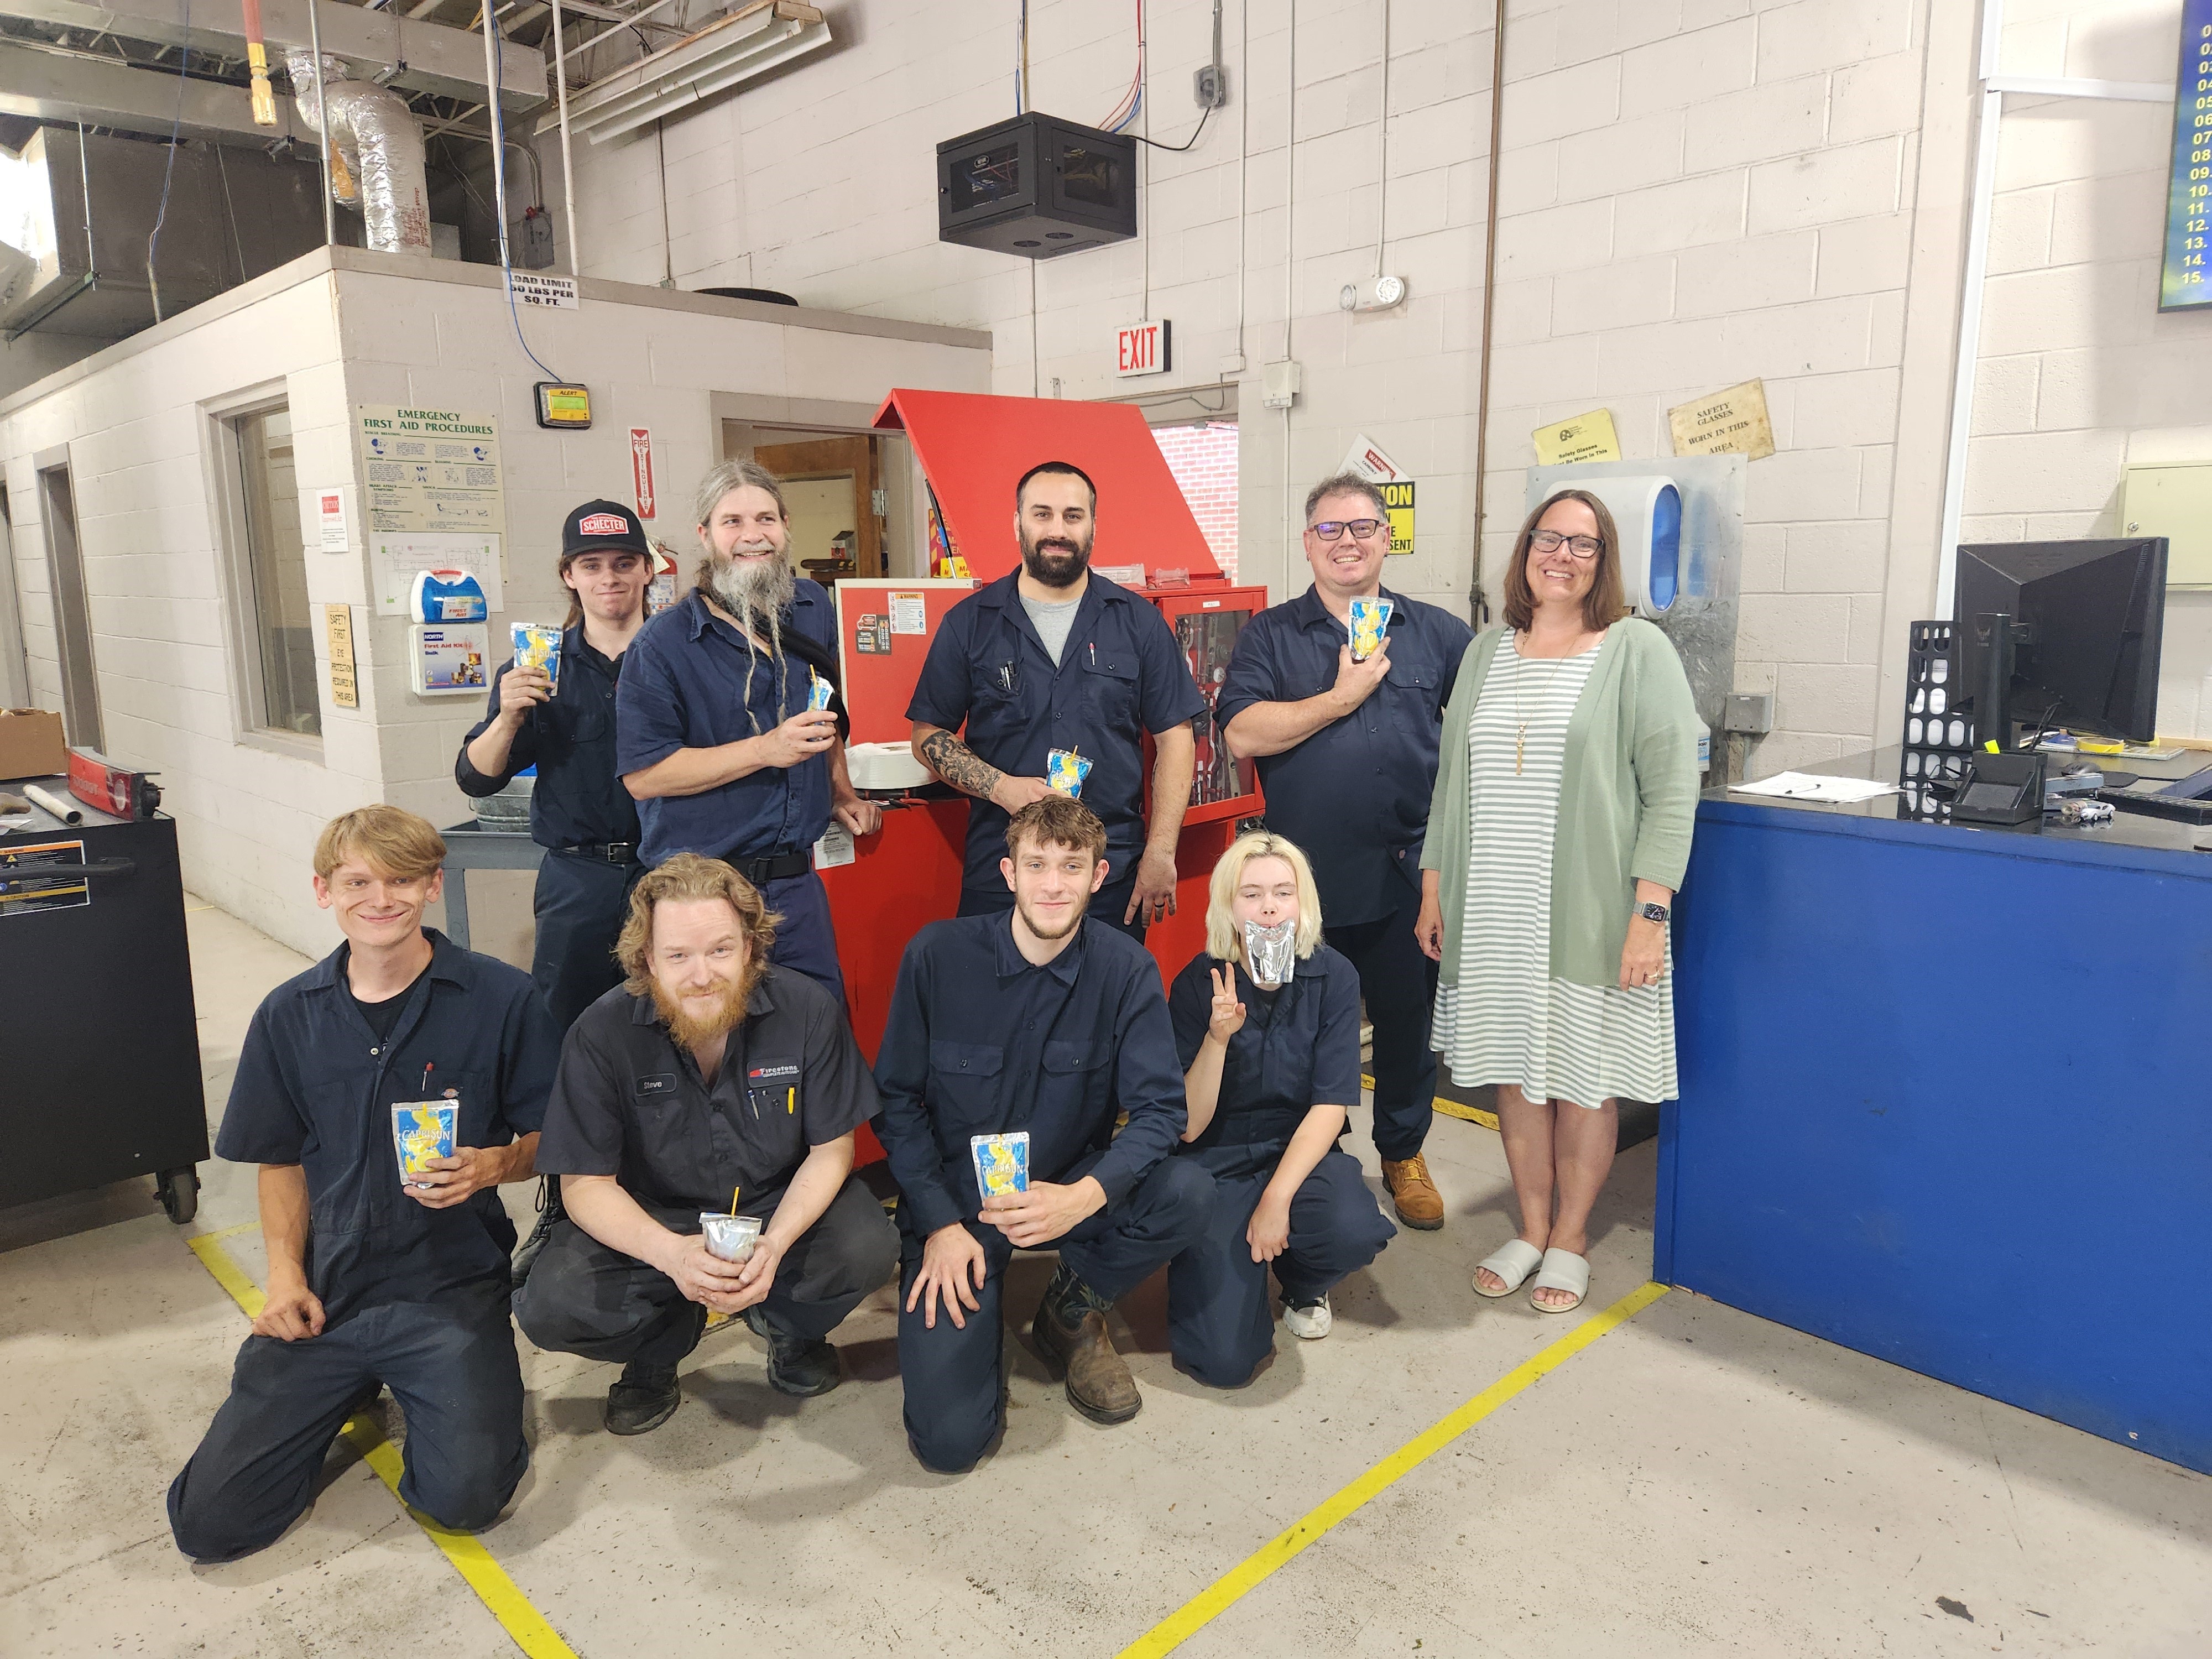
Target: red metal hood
point(975, 447)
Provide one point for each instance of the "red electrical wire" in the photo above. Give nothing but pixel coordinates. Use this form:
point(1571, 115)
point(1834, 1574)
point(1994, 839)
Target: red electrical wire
point(1130, 99)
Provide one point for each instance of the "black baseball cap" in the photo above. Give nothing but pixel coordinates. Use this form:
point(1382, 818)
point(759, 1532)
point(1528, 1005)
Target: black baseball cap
point(604, 528)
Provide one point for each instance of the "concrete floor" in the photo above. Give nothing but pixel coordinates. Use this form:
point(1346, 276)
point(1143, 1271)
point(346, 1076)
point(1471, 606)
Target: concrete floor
point(1698, 1482)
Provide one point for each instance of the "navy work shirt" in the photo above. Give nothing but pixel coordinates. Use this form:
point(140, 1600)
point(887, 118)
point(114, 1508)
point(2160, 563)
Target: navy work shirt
point(1120, 676)
point(578, 801)
point(1354, 795)
point(316, 1087)
point(694, 682)
point(980, 1041)
point(1295, 1051)
point(630, 1101)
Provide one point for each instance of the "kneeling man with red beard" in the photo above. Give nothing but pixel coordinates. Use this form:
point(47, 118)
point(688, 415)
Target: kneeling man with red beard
point(709, 1081)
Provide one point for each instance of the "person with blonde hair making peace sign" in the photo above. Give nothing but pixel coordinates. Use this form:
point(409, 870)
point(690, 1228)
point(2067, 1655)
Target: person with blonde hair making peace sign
point(1267, 1029)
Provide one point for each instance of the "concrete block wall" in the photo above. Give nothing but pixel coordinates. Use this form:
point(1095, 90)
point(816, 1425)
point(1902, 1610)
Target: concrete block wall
point(2078, 373)
point(1698, 192)
point(136, 422)
point(438, 335)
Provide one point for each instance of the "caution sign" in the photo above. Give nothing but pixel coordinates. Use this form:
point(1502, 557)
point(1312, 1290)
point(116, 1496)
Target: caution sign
point(1398, 502)
point(43, 876)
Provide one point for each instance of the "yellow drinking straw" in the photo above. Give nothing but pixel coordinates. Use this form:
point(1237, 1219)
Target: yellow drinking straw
point(733, 1199)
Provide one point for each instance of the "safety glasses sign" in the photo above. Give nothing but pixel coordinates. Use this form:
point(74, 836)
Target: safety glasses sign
point(43, 876)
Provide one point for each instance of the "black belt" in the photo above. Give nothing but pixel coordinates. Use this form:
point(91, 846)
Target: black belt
point(614, 852)
point(776, 867)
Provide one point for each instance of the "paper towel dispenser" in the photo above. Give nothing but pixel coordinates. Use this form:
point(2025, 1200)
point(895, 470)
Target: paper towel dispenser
point(1647, 512)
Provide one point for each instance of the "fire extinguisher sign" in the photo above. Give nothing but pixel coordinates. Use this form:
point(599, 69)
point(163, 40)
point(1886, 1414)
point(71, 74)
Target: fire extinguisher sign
point(640, 469)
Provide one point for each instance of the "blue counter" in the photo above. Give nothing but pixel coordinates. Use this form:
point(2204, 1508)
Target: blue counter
point(1946, 1099)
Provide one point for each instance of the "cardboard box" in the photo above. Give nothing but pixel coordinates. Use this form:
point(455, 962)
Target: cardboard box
point(31, 745)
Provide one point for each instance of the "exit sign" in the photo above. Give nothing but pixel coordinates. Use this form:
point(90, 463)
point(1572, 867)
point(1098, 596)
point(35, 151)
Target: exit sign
point(1142, 349)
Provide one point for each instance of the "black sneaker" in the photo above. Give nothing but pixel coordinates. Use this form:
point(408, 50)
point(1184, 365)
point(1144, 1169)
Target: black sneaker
point(549, 1212)
point(642, 1399)
point(795, 1366)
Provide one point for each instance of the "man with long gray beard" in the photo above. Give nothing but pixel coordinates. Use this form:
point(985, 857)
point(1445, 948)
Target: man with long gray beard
point(714, 736)
point(1055, 659)
point(708, 1081)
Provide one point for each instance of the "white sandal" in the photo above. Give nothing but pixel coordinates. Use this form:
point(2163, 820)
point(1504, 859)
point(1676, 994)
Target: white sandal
point(1512, 1264)
point(1562, 1270)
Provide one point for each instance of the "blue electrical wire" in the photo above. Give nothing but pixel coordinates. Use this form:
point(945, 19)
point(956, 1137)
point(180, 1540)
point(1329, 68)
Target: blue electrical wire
point(499, 162)
point(184, 60)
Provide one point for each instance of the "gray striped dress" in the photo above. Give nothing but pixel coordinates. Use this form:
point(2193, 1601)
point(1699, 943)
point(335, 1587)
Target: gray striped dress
point(1508, 1020)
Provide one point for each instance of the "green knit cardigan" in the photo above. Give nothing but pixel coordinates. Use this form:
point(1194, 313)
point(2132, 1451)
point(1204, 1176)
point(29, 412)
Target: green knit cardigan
point(1628, 796)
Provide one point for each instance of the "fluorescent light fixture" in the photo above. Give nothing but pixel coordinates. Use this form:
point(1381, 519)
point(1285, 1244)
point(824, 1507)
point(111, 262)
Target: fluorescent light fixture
point(749, 41)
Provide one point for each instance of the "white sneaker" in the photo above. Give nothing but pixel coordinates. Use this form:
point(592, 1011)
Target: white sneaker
point(1311, 1322)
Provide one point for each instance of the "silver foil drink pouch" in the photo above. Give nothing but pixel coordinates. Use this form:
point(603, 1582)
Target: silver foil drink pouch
point(817, 692)
point(1064, 771)
point(1370, 617)
point(1002, 1162)
point(537, 646)
point(729, 1237)
point(423, 1130)
point(1269, 953)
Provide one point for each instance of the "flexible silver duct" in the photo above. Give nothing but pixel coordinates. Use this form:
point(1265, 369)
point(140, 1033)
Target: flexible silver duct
point(376, 153)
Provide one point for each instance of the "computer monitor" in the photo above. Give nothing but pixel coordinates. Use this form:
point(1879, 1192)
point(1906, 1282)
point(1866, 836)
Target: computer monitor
point(2087, 617)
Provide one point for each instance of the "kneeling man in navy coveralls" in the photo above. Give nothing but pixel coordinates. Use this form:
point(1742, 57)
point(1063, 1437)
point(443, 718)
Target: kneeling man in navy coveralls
point(374, 1279)
point(709, 1080)
point(1046, 1020)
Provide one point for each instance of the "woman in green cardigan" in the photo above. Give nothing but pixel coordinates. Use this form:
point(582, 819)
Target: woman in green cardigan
point(1557, 835)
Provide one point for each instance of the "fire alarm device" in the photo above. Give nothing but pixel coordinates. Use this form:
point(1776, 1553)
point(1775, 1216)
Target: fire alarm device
point(564, 407)
point(1376, 293)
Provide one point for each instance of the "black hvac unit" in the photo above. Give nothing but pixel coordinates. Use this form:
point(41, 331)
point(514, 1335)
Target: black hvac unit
point(1037, 187)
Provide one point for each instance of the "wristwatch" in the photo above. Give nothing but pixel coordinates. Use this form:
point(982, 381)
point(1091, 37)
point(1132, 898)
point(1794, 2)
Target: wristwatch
point(1653, 913)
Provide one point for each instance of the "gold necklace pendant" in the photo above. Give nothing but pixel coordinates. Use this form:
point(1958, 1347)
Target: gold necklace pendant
point(1520, 736)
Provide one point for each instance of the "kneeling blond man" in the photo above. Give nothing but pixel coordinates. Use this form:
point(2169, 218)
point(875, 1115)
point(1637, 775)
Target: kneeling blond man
point(709, 1081)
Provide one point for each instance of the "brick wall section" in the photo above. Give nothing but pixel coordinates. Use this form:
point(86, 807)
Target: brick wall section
point(1204, 461)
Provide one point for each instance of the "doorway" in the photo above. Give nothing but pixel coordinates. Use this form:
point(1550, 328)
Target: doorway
point(72, 612)
point(834, 489)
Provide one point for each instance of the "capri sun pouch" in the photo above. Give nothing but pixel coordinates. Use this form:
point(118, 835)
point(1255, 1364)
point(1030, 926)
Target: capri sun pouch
point(1002, 1162)
point(1269, 953)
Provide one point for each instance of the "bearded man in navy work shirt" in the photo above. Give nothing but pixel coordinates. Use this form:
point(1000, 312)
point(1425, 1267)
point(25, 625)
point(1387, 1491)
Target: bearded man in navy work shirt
point(1054, 656)
point(374, 1279)
point(714, 736)
point(1347, 757)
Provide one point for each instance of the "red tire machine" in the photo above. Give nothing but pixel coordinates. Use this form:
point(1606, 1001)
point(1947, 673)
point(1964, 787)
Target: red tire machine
point(973, 449)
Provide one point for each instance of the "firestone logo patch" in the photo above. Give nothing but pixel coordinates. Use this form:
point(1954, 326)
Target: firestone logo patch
point(604, 524)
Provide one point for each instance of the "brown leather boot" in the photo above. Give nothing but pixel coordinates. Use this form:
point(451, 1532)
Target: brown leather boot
point(1099, 1381)
point(1418, 1202)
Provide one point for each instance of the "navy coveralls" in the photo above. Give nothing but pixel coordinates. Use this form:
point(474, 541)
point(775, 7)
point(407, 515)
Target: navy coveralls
point(1354, 796)
point(1297, 1049)
point(1120, 675)
point(979, 1041)
point(630, 1102)
point(695, 682)
point(412, 1298)
point(581, 814)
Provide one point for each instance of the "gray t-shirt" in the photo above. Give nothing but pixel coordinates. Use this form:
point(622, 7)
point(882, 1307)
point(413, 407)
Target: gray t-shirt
point(1052, 622)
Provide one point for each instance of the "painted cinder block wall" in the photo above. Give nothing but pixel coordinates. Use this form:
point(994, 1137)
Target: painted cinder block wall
point(1692, 192)
point(136, 422)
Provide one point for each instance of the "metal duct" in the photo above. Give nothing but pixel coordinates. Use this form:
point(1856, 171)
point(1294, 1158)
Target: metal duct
point(376, 153)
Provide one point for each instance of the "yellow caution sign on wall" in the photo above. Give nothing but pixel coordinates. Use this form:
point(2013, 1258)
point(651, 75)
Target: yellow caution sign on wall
point(1398, 501)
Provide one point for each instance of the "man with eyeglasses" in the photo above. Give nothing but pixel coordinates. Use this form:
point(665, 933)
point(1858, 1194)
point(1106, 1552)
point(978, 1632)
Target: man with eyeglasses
point(1347, 755)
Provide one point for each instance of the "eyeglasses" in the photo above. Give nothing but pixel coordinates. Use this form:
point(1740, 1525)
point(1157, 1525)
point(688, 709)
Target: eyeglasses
point(1332, 530)
point(1547, 541)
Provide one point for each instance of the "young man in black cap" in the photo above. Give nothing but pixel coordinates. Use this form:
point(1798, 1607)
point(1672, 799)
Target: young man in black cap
point(579, 812)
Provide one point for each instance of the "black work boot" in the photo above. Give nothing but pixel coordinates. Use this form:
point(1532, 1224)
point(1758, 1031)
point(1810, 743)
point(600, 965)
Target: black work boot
point(1071, 1337)
point(643, 1398)
point(549, 1212)
point(795, 1366)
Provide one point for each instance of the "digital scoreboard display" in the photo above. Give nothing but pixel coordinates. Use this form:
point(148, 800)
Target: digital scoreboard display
point(2183, 282)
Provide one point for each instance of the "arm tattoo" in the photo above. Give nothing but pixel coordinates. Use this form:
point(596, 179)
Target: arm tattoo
point(959, 765)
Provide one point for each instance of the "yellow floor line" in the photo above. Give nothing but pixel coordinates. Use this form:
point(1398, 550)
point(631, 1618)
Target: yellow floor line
point(1448, 1108)
point(468, 1556)
point(231, 1232)
point(1225, 1591)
